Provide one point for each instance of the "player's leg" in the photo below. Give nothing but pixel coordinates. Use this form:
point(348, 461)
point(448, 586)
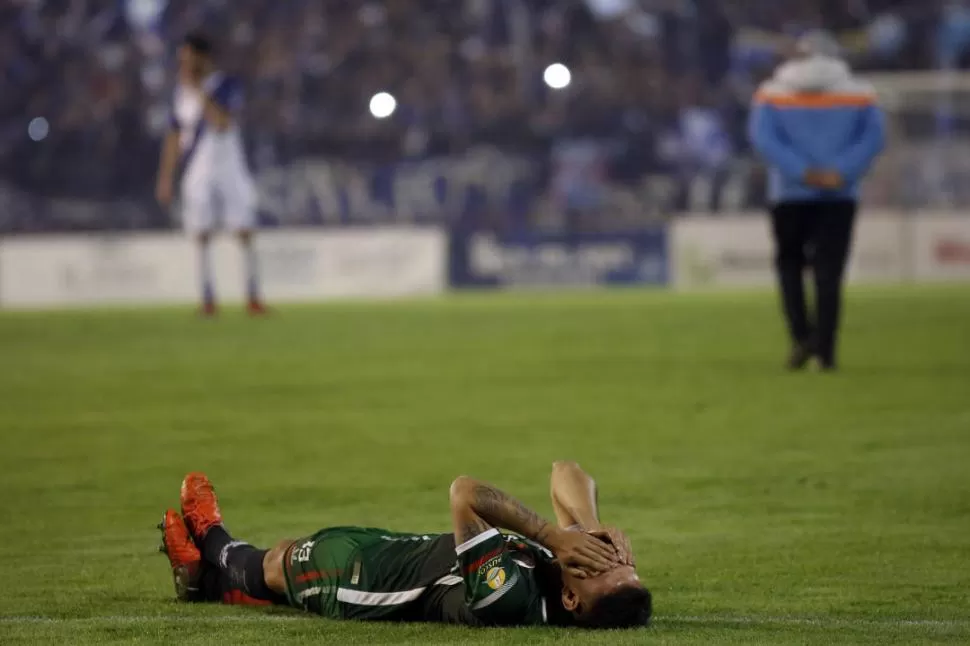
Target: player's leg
point(240, 562)
point(788, 222)
point(198, 220)
point(195, 580)
point(207, 281)
point(241, 218)
point(832, 245)
point(273, 567)
point(254, 300)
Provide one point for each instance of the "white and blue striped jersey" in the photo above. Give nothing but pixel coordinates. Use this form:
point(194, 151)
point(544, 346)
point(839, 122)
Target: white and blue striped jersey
point(206, 151)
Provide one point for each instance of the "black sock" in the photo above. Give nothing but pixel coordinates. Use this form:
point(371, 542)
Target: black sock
point(215, 540)
point(210, 584)
point(241, 562)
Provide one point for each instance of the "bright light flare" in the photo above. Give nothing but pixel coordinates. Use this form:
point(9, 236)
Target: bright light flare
point(382, 105)
point(557, 76)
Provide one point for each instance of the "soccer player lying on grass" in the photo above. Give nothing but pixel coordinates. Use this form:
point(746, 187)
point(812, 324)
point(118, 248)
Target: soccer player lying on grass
point(575, 572)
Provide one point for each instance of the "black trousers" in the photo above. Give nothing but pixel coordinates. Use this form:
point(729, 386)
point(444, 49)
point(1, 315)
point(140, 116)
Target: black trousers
point(816, 235)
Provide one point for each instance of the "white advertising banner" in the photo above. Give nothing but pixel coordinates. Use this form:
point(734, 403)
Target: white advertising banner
point(879, 249)
point(162, 268)
point(738, 250)
point(941, 247)
point(732, 250)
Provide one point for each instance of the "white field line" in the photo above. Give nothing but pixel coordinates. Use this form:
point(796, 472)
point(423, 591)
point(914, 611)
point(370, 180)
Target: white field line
point(139, 619)
point(824, 622)
point(713, 620)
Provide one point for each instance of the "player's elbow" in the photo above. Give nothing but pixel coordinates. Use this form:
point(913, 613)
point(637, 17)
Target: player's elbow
point(765, 145)
point(462, 490)
point(565, 465)
point(565, 472)
point(759, 129)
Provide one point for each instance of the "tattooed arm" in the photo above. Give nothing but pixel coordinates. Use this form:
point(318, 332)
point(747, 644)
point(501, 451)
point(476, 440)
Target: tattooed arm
point(477, 507)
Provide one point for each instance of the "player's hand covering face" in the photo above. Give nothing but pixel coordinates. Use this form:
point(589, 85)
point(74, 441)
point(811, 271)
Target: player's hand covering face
point(620, 541)
point(584, 555)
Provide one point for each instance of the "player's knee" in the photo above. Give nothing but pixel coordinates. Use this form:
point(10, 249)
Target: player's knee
point(279, 550)
point(273, 563)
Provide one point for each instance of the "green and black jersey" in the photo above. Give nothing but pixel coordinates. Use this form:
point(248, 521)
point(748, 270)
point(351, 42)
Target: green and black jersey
point(373, 574)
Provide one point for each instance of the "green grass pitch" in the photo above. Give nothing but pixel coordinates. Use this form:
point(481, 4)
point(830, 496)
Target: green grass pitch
point(765, 507)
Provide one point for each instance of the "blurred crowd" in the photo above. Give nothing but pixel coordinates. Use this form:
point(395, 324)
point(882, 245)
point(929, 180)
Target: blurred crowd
point(87, 82)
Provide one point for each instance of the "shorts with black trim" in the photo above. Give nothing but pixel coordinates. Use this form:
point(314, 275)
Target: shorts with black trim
point(367, 573)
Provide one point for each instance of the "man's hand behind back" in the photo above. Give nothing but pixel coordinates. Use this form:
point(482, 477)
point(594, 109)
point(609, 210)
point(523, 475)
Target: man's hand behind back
point(828, 180)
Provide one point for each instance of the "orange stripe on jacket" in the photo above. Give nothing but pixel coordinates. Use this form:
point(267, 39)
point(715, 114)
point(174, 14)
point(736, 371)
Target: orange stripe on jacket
point(815, 100)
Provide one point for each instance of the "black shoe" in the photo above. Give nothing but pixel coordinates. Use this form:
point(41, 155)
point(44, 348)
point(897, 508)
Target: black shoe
point(799, 357)
point(827, 365)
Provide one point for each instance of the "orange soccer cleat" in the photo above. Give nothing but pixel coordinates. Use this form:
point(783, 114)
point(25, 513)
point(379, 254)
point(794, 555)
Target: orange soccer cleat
point(183, 555)
point(199, 505)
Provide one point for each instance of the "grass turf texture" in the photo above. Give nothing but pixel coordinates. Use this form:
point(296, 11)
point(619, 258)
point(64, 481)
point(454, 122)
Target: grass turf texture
point(764, 507)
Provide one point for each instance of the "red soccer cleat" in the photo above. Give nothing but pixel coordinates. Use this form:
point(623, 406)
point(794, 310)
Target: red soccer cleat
point(199, 505)
point(256, 308)
point(208, 310)
point(183, 555)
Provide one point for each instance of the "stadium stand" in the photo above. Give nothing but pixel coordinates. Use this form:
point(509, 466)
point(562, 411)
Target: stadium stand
point(662, 86)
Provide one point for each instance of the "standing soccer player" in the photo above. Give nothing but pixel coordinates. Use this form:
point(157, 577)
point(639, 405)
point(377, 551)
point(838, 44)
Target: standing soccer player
point(820, 130)
point(204, 140)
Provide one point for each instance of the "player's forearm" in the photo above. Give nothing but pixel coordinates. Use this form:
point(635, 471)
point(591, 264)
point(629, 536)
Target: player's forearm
point(574, 496)
point(492, 507)
point(169, 157)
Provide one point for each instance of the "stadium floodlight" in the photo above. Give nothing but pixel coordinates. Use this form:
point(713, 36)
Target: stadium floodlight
point(557, 76)
point(382, 105)
point(38, 129)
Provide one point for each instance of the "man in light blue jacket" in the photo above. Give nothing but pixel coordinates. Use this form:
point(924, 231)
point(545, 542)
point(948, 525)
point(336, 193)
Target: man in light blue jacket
point(819, 129)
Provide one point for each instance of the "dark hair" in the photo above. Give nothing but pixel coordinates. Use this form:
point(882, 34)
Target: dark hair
point(627, 608)
point(199, 43)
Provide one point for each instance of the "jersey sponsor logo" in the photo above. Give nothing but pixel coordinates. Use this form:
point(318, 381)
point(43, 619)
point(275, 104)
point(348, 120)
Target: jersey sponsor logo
point(483, 562)
point(490, 565)
point(495, 578)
